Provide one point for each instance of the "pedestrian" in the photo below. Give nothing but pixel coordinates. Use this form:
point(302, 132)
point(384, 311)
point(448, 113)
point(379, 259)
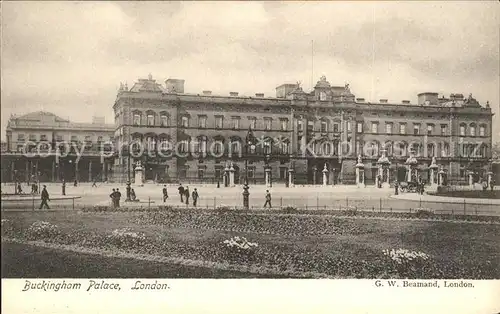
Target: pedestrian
point(63, 187)
point(113, 198)
point(165, 193)
point(396, 187)
point(186, 194)
point(422, 184)
point(19, 188)
point(195, 197)
point(127, 190)
point(268, 199)
point(33, 187)
point(75, 183)
point(132, 195)
point(45, 198)
point(181, 192)
point(118, 196)
point(94, 183)
point(492, 184)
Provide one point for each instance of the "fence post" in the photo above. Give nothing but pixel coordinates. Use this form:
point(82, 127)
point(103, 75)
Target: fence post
point(73, 203)
point(346, 201)
point(215, 199)
point(420, 203)
point(149, 202)
point(464, 206)
point(317, 202)
point(281, 201)
point(33, 202)
point(380, 204)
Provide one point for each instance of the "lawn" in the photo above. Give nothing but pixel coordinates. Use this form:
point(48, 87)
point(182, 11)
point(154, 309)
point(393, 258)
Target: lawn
point(338, 247)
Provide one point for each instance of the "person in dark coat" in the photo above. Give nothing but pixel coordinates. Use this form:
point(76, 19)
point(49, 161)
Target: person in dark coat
point(45, 197)
point(492, 184)
point(195, 197)
point(76, 183)
point(186, 194)
point(118, 196)
point(19, 188)
point(268, 199)
point(113, 197)
point(132, 195)
point(181, 192)
point(63, 187)
point(165, 193)
point(396, 187)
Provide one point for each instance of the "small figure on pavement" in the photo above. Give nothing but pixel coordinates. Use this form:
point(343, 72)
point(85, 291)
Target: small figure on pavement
point(63, 187)
point(165, 193)
point(268, 199)
point(195, 197)
point(492, 184)
point(127, 190)
point(118, 196)
point(396, 187)
point(132, 195)
point(45, 198)
point(113, 197)
point(186, 191)
point(75, 183)
point(19, 188)
point(181, 192)
point(94, 183)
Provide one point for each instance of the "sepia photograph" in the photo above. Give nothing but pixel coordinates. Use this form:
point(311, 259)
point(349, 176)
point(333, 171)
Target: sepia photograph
point(249, 140)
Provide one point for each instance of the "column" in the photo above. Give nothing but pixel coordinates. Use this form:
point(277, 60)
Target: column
point(432, 177)
point(471, 182)
point(231, 176)
point(268, 177)
point(77, 177)
point(332, 174)
point(53, 171)
point(12, 171)
point(90, 171)
point(27, 173)
point(36, 171)
point(291, 179)
point(103, 173)
point(314, 175)
point(325, 176)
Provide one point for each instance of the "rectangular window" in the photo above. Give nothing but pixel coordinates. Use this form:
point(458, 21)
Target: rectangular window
point(402, 128)
point(284, 124)
point(20, 138)
point(202, 122)
point(416, 129)
point(388, 128)
point(300, 125)
point(324, 127)
point(236, 123)
point(481, 131)
point(201, 173)
point(374, 127)
point(336, 128)
point(43, 137)
point(267, 123)
point(185, 122)
point(32, 137)
point(218, 122)
point(430, 128)
point(151, 119)
point(251, 172)
point(88, 139)
point(360, 127)
point(137, 119)
point(164, 120)
point(253, 123)
point(444, 128)
point(74, 138)
point(310, 126)
point(59, 138)
point(472, 131)
point(348, 126)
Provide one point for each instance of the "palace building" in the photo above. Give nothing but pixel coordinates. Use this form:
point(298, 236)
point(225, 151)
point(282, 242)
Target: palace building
point(42, 146)
point(299, 132)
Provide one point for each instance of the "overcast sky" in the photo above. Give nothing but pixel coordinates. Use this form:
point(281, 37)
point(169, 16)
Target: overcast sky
point(69, 57)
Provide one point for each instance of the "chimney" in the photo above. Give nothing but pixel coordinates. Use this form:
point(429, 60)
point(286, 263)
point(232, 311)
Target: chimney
point(233, 94)
point(259, 95)
point(175, 86)
point(207, 92)
point(383, 101)
point(360, 100)
point(406, 102)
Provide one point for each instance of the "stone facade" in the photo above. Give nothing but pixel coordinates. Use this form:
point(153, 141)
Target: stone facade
point(43, 146)
point(295, 130)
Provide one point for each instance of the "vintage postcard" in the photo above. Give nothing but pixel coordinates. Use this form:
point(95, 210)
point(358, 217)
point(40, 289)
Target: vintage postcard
point(319, 156)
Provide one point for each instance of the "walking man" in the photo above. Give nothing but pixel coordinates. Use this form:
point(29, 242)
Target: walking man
point(195, 197)
point(268, 199)
point(396, 187)
point(186, 191)
point(45, 198)
point(181, 192)
point(63, 187)
point(492, 184)
point(165, 193)
point(94, 183)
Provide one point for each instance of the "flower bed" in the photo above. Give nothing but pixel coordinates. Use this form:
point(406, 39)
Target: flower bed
point(42, 230)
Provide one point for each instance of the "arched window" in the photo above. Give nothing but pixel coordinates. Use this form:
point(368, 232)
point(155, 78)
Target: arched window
point(185, 121)
point(446, 150)
point(150, 143)
point(218, 148)
point(324, 126)
point(389, 151)
point(482, 130)
point(150, 118)
point(400, 149)
point(373, 148)
point(136, 118)
point(267, 146)
point(235, 146)
point(430, 150)
point(462, 129)
point(472, 130)
point(202, 144)
point(322, 96)
point(164, 119)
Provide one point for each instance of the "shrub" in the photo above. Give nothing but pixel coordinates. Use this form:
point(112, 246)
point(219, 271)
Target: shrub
point(127, 239)
point(42, 230)
point(351, 211)
point(423, 212)
point(289, 210)
point(239, 248)
point(408, 264)
point(223, 209)
point(7, 227)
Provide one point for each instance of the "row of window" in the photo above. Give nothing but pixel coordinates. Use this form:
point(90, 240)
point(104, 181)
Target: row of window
point(58, 138)
point(389, 126)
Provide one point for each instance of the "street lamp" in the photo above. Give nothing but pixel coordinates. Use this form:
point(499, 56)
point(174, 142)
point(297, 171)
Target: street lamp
point(252, 147)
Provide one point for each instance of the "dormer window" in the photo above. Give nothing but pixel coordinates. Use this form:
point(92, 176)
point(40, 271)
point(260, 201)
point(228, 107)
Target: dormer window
point(322, 96)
